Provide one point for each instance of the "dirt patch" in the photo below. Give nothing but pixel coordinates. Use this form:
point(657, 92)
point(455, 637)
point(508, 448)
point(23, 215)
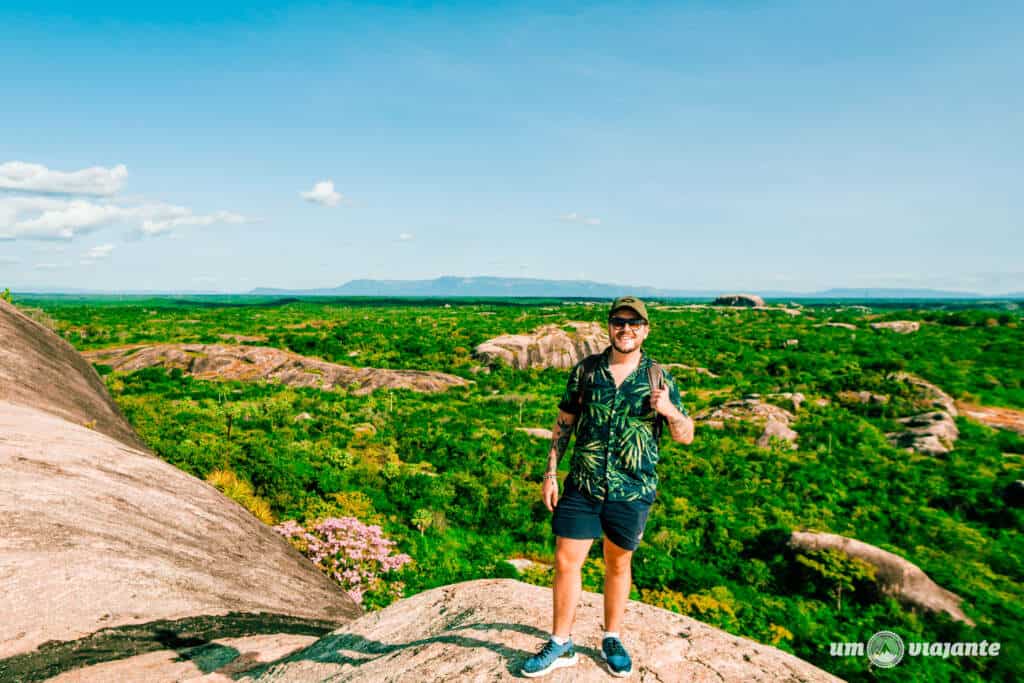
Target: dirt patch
point(1000, 418)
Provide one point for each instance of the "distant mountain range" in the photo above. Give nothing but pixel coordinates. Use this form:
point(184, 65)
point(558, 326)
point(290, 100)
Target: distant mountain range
point(450, 286)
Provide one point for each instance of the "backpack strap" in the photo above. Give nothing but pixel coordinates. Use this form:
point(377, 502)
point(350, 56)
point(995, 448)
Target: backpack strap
point(656, 378)
point(586, 380)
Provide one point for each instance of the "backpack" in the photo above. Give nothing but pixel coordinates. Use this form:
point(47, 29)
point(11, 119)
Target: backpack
point(655, 376)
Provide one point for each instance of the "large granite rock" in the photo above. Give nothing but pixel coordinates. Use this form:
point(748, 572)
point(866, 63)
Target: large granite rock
point(895, 575)
point(933, 432)
point(753, 408)
point(41, 370)
point(744, 300)
point(100, 535)
point(484, 630)
point(252, 363)
point(549, 346)
point(898, 326)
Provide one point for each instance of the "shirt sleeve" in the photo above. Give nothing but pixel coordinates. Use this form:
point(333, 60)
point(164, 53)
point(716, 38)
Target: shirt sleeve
point(570, 402)
point(673, 393)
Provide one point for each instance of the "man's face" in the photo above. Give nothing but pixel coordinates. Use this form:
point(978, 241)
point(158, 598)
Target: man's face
point(625, 335)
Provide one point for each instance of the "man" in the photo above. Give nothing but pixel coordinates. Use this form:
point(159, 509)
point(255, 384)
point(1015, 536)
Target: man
point(611, 485)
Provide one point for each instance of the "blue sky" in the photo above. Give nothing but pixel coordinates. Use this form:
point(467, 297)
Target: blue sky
point(732, 145)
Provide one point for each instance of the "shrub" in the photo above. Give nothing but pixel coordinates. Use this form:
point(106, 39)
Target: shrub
point(355, 555)
point(240, 491)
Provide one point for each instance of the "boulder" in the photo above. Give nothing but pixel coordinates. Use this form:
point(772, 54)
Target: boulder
point(754, 409)
point(549, 346)
point(742, 300)
point(253, 363)
point(483, 631)
point(38, 369)
point(776, 429)
point(100, 536)
point(895, 575)
point(933, 432)
point(845, 326)
point(898, 326)
point(928, 433)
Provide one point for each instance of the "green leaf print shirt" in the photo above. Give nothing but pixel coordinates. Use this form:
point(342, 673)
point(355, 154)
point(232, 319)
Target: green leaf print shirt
point(615, 452)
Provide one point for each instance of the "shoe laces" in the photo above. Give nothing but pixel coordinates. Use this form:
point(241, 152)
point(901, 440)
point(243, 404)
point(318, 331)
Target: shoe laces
point(614, 647)
point(549, 648)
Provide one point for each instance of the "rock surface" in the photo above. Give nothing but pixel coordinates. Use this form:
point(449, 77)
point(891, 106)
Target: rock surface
point(749, 300)
point(898, 326)
point(895, 575)
point(549, 346)
point(933, 432)
point(683, 366)
point(252, 363)
point(484, 630)
point(41, 370)
point(754, 409)
point(100, 535)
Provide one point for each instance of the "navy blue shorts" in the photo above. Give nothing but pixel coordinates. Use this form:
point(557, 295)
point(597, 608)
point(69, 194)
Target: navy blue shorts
point(577, 516)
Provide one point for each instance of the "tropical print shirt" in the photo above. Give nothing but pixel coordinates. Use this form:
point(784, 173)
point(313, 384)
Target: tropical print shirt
point(615, 452)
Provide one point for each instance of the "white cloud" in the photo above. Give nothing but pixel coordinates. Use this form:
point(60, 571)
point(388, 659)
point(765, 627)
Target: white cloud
point(573, 217)
point(95, 180)
point(170, 217)
point(322, 193)
point(406, 236)
point(49, 218)
point(96, 253)
point(50, 266)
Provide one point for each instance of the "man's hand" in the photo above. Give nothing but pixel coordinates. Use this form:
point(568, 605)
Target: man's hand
point(549, 492)
point(662, 404)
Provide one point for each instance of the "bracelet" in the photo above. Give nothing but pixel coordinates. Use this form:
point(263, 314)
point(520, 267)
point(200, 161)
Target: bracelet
point(551, 476)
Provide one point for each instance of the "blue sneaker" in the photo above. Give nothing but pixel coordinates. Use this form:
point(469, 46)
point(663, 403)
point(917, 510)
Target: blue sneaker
point(618, 659)
point(552, 656)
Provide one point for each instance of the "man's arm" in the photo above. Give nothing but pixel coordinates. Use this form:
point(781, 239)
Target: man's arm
point(681, 428)
point(560, 436)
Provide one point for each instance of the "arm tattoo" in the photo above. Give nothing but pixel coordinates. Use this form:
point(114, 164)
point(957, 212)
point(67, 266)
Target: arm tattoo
point(560, 439)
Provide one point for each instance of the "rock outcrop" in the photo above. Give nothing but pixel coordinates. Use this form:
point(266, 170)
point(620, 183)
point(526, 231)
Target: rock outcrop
point(898, 326)
point(252, 363)
point(40, 370)
point(536, 432)
point(549, 346)
point(693, 368)
point(754, 409)
point(745, 300)
point(933, 432)
point(99, 534)
point(484, 630)
point(895, 575)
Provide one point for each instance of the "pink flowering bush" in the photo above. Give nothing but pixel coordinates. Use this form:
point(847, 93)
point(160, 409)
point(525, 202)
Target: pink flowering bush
point(353, 554)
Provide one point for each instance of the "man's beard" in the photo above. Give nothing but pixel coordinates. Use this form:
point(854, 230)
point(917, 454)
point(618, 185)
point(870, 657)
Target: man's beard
point(615, 345)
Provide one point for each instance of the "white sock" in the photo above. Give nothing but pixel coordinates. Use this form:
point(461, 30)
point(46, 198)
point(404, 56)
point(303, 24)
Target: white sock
point(558, 640)
point(612, 634)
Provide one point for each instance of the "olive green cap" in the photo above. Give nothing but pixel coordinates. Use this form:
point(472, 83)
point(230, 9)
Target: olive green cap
point(629, 302)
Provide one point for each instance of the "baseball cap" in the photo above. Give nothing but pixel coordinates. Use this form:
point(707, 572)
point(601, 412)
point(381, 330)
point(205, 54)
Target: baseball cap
point(630, 302)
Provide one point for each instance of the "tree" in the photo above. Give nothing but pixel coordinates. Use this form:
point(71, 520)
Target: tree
point(6, 296)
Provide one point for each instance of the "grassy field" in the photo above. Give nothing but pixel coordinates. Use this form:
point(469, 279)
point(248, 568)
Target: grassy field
point(453, 481)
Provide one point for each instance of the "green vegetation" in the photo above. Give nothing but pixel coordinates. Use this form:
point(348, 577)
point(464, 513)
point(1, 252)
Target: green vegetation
point(449, 477)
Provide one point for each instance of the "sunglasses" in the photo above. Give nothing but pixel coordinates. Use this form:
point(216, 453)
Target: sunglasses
point(619, 323)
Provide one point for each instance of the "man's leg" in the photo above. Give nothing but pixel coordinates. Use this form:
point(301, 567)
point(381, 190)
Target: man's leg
point(570, 554)
point(617, 579)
